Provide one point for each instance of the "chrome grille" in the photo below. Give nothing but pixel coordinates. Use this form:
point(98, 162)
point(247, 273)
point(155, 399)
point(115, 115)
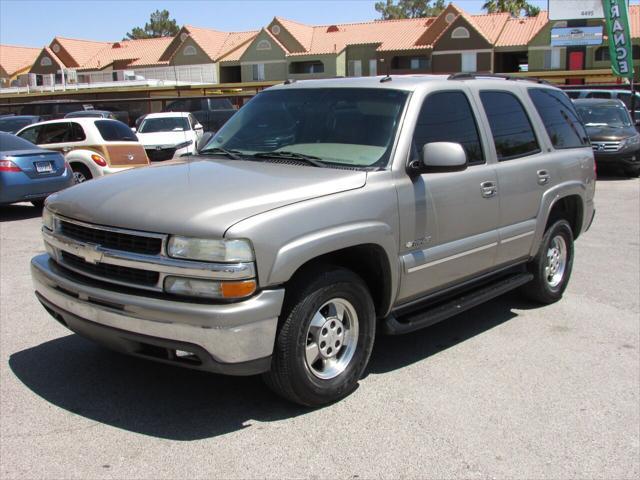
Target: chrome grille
point(112, 239)
point(605, 146)
point(111, 272)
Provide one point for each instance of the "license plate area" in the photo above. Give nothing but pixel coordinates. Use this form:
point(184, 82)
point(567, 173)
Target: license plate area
point(44, 167)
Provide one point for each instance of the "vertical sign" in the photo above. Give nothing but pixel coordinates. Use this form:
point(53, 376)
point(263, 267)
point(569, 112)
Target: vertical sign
point(617, 21)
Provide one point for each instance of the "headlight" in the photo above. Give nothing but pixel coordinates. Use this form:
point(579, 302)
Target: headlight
point(47, 219)
point(631, 141)
point(209, 250)
point(195, 287)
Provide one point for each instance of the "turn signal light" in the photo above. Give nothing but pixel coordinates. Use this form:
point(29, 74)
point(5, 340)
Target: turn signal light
point(9, 166)
point(99, 160)
point(237, 289)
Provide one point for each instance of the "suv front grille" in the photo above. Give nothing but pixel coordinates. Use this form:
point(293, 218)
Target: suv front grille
point(161, 155)
point(111, 239)
point(605, 146)
point(111, 272)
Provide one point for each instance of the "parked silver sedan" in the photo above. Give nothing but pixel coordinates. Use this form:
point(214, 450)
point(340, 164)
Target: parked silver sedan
point(29, 173)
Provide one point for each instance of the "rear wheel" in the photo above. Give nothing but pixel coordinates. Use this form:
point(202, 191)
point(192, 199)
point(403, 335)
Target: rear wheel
point(80, 173)
point(325, 339)
point(552, 265)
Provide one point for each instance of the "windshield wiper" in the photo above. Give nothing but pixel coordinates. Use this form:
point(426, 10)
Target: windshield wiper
point(287, 155)
point(219, 150)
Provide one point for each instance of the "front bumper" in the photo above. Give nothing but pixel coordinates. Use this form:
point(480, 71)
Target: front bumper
point(626, 157)
point(235, 339)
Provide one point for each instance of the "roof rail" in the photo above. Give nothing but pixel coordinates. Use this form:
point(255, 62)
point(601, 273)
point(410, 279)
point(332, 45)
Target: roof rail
point(503, 76)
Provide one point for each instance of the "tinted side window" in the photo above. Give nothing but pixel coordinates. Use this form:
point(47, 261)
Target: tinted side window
point(560, 118)
point(113, 130)
point(177, 106)
point(447, 117)
point(510, 125)
point(31, 134)
point(77, 133)
point(573, 94)
point(599, 95)
point(55, 133)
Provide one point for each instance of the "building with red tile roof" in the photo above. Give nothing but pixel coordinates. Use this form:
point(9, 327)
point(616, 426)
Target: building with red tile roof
point(15, 60)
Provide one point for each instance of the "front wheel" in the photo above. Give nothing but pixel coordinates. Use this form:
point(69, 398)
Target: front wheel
point(325, 340)
point(552, 265)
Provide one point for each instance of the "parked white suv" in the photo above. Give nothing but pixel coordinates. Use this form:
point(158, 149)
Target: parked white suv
point(93, 147)
point(170, 134)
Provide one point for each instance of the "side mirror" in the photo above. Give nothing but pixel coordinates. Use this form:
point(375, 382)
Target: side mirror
point(133, 129)
point(440, 157)
point(203, 140)
point(198, 126)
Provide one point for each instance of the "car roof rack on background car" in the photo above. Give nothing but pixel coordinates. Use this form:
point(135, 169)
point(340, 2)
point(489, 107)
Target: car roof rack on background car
point(476, 76)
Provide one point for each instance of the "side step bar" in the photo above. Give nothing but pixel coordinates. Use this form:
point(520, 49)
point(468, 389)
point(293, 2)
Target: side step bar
point(398, 325)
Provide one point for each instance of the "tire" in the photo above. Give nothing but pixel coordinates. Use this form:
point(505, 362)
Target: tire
point(342, 347)
point(556, 253)
point(38, 204)
point(633, 172)
point(80, 173)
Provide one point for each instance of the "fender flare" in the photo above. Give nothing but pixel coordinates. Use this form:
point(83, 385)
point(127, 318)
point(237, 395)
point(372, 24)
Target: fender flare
point(549, 199)
point(298, 252)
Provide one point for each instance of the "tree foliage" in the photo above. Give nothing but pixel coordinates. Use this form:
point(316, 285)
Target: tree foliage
point(393, 9)
point(159, 25)
point(514, 7)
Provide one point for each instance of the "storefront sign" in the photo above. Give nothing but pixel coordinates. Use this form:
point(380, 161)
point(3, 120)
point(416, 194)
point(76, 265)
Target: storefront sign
point(575, 9)
point(569, 37)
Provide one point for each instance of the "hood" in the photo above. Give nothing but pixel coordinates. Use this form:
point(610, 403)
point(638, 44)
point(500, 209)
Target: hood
point(610, 134)
point(197, 197)
point(164, 138)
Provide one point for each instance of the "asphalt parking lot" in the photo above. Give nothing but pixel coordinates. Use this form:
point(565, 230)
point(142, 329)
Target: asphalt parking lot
point(506, 390)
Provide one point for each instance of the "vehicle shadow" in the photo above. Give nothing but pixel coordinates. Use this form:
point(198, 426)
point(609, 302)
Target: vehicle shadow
point(612, 174)
point(25, 211)
point(179, 404)
point(394, 352)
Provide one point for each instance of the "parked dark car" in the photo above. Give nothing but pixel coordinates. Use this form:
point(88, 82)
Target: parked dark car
point(212, 113)
point(613, 136)
point(55, 109)
point(608, 94)
point(15, 123)
point(29, 173)
point(91, 114)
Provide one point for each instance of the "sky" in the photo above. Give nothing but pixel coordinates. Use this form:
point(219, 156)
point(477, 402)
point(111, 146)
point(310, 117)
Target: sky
point(35, 23)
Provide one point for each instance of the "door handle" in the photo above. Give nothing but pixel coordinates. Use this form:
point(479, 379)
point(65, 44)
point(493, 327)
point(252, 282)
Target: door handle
point(488, 189)
point(543, 177)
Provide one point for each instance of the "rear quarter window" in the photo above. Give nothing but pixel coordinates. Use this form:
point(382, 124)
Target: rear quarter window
point(511, 128)
point(115, 131)
point(560, 119)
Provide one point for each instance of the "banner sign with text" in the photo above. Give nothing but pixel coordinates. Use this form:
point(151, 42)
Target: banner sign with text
point(620, 49)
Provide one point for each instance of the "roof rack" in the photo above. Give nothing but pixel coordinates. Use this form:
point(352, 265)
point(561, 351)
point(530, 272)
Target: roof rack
point(474, 76)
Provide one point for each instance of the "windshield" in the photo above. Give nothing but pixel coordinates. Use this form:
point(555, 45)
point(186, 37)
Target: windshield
point(341, 126)
point(12, 125)
point(164, 124)
point(604, 115)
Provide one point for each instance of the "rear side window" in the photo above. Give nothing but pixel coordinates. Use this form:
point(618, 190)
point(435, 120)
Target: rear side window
point(115, 131)
point(77, 133)
point(573, 94)
point(512, 131)
point(55, 133)
point(31, 134)
point(560, 118)
point(447, 117)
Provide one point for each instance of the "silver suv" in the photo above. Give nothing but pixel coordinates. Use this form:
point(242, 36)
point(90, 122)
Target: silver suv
point(322, 213)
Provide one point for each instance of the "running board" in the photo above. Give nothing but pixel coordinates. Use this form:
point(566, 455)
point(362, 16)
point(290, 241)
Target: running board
point(393, 325)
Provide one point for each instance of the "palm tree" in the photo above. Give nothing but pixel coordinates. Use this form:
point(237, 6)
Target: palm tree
point(514, 7)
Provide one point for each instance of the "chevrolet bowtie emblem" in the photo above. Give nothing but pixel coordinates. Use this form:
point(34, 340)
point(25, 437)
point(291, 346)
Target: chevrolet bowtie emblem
point(91, 254)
